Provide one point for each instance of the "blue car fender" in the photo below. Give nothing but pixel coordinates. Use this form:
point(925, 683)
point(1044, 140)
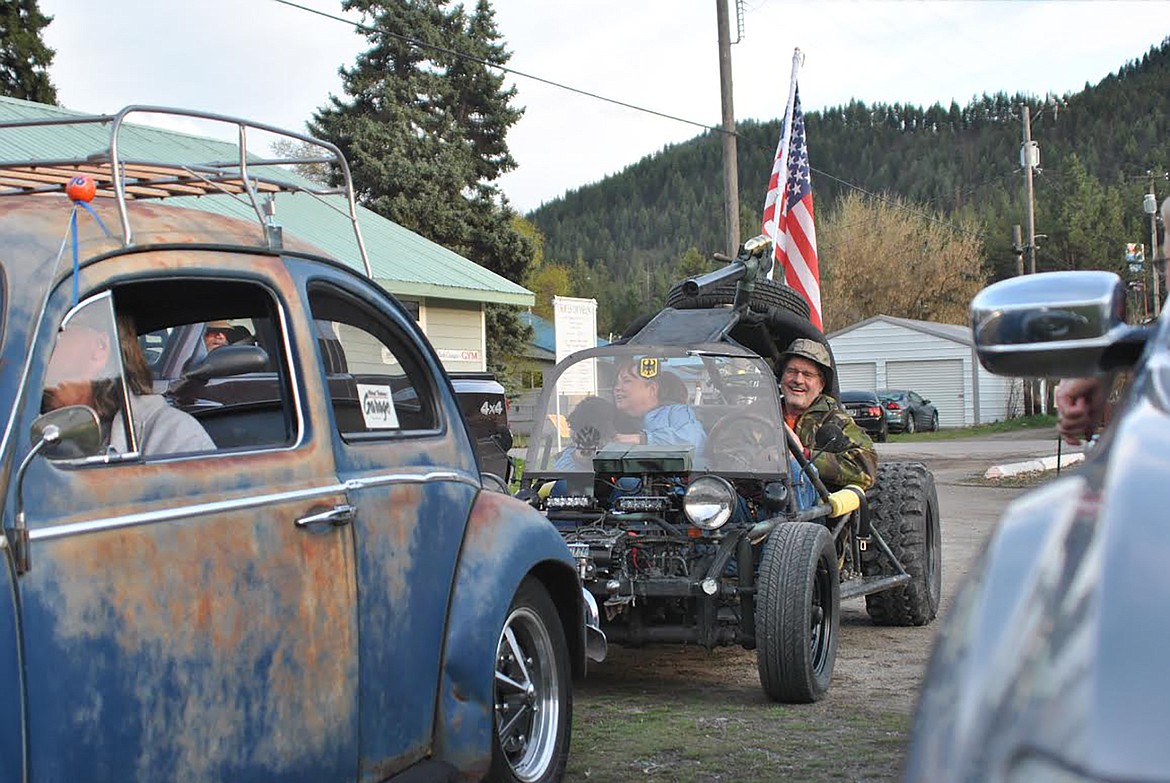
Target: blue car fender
point(505, 541)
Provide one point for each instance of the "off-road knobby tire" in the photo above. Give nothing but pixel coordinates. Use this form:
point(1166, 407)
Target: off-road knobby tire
point(537, 748)
point(796, 649)
point(903, 508)
point(766, 295)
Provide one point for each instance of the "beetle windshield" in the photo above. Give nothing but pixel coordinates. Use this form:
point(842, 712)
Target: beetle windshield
point(679, 410)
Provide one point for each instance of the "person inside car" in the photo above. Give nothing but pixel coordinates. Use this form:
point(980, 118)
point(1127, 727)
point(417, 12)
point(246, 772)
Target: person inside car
point(83, 371)
point(1083, 403)
point(656, 398)
point(805, 371)
point(592, 425)
point(216, 335)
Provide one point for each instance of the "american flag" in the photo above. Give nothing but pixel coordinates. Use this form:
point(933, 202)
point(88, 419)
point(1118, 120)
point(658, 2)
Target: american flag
point(788, 215)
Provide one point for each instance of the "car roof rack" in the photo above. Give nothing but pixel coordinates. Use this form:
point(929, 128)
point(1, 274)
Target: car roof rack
point(122, 176)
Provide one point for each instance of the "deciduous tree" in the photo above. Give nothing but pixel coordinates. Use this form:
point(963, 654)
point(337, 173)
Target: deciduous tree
point(895, 258)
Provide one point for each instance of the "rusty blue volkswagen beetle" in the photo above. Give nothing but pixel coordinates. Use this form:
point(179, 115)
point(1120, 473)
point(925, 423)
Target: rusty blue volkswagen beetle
point(302, 577)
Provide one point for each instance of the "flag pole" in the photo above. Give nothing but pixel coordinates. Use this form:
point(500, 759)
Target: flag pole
point(785, 137)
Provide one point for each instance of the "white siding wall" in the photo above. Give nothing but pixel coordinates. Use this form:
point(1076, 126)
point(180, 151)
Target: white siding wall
point(882, 343)
point(456, 329)
point(999, 398)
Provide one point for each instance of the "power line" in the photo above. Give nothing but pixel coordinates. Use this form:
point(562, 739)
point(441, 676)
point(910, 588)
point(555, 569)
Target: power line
point(505, 69)
point(497, 66)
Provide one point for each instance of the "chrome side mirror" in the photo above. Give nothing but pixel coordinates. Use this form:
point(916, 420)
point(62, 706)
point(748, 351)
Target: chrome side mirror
point(72, 432)
point(1057, 324)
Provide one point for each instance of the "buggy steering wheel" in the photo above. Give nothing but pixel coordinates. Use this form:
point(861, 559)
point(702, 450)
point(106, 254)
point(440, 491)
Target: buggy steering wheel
point(746, 441)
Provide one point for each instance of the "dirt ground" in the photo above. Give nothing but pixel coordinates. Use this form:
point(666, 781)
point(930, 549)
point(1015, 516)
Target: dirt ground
point(682, 714)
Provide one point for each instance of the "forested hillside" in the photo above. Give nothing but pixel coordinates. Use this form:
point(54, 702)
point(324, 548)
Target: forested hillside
point(626, 237)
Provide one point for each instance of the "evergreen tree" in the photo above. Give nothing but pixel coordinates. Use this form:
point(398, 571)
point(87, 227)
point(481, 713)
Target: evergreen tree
point(24, 58)
point(423, 125)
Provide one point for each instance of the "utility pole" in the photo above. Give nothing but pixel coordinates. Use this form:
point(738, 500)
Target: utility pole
point(1151, 206)
point(1029, 158)
point(730, 163)
point(1018, 248)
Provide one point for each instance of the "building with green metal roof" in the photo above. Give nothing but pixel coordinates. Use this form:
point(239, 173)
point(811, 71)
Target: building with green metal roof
point(446, 291)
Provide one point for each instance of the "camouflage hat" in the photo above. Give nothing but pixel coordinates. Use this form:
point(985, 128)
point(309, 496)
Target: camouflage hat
point(813, 351)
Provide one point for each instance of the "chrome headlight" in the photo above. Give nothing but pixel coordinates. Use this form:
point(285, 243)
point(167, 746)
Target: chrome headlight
point(708, 502)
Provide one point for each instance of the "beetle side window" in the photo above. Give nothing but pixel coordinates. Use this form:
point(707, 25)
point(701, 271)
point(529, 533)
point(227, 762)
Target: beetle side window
point(219, 354)
point(377, 381)
point(202, 364)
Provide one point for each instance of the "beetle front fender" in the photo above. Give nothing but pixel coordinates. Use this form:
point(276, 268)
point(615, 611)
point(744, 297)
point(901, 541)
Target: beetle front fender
point(505, 541)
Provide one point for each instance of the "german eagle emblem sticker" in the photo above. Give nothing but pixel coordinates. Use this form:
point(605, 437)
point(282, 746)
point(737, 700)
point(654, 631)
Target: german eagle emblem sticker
point(648, 368)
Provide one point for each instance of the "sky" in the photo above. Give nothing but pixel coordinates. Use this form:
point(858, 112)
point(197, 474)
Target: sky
point(271, 63)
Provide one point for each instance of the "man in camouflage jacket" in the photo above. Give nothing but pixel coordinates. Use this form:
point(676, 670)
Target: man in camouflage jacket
point(806, 369)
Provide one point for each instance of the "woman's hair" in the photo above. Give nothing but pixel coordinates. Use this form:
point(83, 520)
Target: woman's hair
point(133, 360)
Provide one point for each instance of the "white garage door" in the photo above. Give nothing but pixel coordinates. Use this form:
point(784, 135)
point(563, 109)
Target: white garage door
point(938, 380)
point(859, 376)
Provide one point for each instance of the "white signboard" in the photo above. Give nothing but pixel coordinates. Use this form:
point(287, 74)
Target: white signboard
point(377, 407)
point(575, 325)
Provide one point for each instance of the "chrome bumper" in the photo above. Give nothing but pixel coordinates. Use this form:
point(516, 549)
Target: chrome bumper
point(595, 644)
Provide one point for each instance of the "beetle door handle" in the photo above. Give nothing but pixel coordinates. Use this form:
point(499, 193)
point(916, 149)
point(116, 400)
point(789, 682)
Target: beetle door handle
point(336, 516)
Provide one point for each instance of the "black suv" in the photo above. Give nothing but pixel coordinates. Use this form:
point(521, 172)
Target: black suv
point(704, 542)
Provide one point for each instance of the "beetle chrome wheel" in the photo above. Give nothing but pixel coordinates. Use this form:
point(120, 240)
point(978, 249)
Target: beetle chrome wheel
point(528, 695)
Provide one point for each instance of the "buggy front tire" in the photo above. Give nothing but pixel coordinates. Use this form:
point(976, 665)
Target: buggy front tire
point(797, 613)
point(533, 696)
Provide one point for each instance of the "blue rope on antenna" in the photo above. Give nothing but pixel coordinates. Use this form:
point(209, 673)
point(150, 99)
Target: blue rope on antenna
point(80, 190)
point(76, 262)
point(96, 217)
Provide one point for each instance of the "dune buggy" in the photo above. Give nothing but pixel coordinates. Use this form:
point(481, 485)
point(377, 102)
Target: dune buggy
point(706, 543)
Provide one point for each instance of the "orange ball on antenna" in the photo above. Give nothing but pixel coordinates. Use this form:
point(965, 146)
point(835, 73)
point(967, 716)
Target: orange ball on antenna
point(81, 188)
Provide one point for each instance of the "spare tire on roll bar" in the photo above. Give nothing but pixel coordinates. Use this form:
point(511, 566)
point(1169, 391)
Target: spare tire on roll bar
point(766, 295)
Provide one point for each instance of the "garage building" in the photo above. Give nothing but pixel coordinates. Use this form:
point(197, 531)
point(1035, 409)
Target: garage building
point(936, 360)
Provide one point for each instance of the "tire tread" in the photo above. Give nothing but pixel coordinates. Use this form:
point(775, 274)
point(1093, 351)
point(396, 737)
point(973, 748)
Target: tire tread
point(904, 503)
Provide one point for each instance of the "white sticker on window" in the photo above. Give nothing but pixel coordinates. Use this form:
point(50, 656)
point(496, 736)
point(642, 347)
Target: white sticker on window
point(377, 407)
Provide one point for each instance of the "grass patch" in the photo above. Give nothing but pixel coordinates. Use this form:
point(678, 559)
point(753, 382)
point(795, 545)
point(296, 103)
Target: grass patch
point(979, 430)
point(687, 738)
point(517, 475)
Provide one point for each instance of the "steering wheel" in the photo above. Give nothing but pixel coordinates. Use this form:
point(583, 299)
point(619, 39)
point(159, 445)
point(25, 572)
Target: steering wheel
point(745, 441)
